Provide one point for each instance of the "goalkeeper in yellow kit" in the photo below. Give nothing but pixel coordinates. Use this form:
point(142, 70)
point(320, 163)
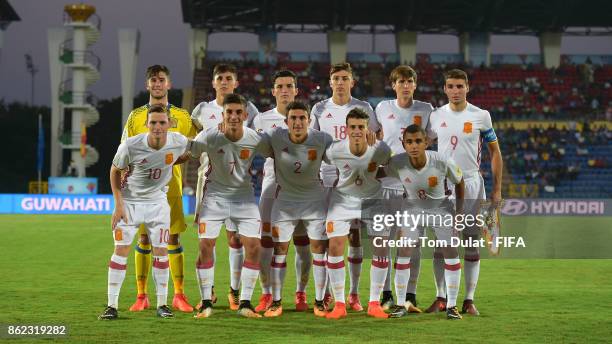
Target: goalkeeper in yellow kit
point(158, 83)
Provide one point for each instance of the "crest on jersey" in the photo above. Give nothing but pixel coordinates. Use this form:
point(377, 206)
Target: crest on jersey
point(329, 115)
point(347, 167)
point(173, 122)
point(467, 127)
point(169, 158)
point(443, 125)
point(274, 125)
point(144, 161)
point(432, 181)
point(212, 116)
point(407, 180)
point(286, 149)
point(245, 154)
point(221, 151)
point(312, 154)
point(417, 119)
point(391, 116)
point(372, 166)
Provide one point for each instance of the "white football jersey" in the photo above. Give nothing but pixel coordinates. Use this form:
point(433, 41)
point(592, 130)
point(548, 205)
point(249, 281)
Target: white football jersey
point(297, 165)
point(150, 170)
point(209, 114)
point(357, 174)
point(393, 120)
point(265, 123)
point(330, 118)
point(460, 135)
point(428, 183)
point(228, 173)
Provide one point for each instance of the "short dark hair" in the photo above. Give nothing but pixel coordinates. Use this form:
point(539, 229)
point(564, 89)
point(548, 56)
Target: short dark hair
point(156, 69)
point(157, 108)
point(234, 98)
point(402, 71)
point(413, 129)
point(455, 74)
point(284, 74)
point(357, 113)
point(298, 105)
point(225, 68)
point(340, 67)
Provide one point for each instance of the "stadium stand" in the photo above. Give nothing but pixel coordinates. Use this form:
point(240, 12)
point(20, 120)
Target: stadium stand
point(550, 162)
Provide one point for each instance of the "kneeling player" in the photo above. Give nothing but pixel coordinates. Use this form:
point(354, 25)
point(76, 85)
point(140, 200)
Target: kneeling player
point(357, 164)
point(228, 198)
point(424, 174)
point(150, 158)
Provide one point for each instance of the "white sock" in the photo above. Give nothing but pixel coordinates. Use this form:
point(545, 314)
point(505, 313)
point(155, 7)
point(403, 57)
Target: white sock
point(355, 258)
point(277, 272)
point(337, 276)
point(303, 264)
point(387, 286)
point(415, 269)
point(206, 278)
point(378, 271)
point(265, 277)
point(116, 275)
point(236, 258)
point(161, 273)
point(471, 266)
point(402, 276)
point(248, 278)
point(438, 269)
point(320, 275)
point(452, 275)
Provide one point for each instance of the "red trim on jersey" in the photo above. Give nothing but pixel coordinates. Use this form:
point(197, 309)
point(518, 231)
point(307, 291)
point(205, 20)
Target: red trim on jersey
point(479, 151)
point(337, 265)
point(278, 265)
point(301, 241)
point(117, 266)
point(208, 265)
point(472, 258)
point(401, 266)
point(452, 267)
point(250, 265)
point(160, 265)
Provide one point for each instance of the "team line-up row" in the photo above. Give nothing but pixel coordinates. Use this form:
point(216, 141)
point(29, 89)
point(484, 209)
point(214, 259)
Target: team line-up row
point(322, 166)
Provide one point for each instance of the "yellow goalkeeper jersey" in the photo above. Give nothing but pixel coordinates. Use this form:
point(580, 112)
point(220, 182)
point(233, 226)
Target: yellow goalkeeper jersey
point(180, 122)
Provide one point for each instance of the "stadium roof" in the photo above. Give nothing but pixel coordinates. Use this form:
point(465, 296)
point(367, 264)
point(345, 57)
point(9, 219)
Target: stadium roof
point(441, 16)
point(7, 14)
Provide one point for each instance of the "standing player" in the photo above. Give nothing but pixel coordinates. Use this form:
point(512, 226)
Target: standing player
point(393, 117)
point(329, 116)
point(357, 164)
point(228, 198)
point(208, 115)
point(148, 159)
point(158, 83)
point(298, 152)
point(424, 175)
point(461, 129)
point(284, 91)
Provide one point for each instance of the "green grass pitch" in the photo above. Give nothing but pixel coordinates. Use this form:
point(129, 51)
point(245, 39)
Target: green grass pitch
point(54, 270)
